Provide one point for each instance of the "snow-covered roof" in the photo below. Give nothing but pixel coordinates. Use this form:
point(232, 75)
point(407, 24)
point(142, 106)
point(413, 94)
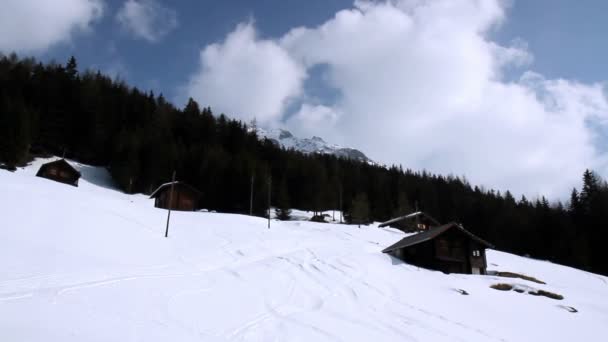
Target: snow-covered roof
point(176, 183)
point(409, 216)
point(432, 233)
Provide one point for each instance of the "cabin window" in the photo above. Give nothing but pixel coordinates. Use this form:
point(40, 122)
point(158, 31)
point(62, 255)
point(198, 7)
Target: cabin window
point(53, 172)
point(476, 253)
point(421, 226)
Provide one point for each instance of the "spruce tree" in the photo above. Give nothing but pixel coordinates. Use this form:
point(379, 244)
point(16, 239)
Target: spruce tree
point(403, 206)
point(14, 131)
point(360, 209)
point(282, 210)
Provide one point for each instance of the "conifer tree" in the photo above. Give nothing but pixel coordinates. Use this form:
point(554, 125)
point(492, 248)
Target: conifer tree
point(71, 67)
point(14, 131)
point(282, 210)
point(360, 209)
point(403, 206)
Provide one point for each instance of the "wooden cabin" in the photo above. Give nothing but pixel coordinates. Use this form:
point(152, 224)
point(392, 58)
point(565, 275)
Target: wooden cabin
point(448, 248)
point(414, 222)
point(185, 197)
point(61, 171)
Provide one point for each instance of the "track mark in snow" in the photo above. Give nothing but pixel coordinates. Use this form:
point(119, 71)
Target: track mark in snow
point(309, 327)
point(233, 273)
point(16, 297)
point(55, 291)
point(313, 266)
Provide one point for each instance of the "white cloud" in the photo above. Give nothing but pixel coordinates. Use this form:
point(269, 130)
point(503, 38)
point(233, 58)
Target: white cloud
point(147, 19)
point(32, 26)
point(421, 83)
point(246, 77)
point(309, 118)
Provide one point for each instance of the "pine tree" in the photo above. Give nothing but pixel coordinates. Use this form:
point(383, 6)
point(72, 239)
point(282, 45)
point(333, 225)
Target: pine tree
point(282, 210)
point(14, 131)
point(71, 68)
point(574, 201)
point(360, 209)
point(591, 185)
point(403, 206)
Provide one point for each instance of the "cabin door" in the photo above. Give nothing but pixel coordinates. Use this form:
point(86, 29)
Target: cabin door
point(475, 270)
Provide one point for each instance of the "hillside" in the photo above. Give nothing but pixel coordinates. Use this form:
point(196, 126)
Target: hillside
point(91, 264)
point(54, 109)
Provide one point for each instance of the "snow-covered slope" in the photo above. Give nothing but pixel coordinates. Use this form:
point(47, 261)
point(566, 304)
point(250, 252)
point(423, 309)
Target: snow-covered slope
point(91, 264)
point(287, 140)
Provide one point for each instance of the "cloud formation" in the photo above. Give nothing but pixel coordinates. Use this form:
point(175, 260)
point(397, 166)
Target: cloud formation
point(247, 77)
point(421, 83)
point(28, 26)
point(147, 19)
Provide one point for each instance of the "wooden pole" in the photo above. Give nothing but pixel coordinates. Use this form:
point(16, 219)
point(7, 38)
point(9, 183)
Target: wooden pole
point(340, 202)
point(269, 193)
point(251, 197)
point(417, 219)
point(170, 204)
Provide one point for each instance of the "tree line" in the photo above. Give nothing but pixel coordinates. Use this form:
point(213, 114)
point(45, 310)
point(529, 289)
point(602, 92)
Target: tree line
point(53, 108)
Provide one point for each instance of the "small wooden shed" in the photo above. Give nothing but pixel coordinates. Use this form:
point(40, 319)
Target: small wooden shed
point(414, 222)
point(61, 171)
point(448, 248)
point(185, 197)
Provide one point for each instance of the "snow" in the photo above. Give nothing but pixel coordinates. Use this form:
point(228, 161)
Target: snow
point(90, 263)
point(287, 140)
point(304, 215)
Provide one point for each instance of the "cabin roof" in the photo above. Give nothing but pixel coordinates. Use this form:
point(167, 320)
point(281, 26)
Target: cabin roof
point(63, 164)
point(163, 187)
point(430, 234)
point(409, 216)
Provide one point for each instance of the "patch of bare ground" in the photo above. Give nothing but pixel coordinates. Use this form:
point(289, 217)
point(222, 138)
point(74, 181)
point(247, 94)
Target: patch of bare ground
point(520, 276)
point(502, 287)
point(546, 294)
point(526, 289)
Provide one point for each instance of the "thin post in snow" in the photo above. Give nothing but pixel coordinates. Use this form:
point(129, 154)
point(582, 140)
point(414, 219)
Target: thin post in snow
point(417, 218)
point(340, 204)
point(170, 204)
point(269, 193)
point(251, 197)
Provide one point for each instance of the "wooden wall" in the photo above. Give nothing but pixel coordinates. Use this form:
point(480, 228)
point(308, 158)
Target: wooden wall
point(183, 199)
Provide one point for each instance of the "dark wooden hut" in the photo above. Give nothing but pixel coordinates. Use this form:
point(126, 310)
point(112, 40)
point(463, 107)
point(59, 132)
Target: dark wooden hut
point(449, 248)
point(185, 197)
point(414, 222)
point(61, 171)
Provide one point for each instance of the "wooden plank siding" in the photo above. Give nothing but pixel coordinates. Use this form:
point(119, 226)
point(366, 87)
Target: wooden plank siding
point(185, 197)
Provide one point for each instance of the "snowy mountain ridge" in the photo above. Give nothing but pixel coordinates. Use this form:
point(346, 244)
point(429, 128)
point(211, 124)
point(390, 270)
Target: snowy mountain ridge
point(287, 140)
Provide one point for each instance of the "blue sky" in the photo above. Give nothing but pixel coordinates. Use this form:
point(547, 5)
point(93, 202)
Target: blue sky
point(166, 64)
point(511, 94)
point(567, 39)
